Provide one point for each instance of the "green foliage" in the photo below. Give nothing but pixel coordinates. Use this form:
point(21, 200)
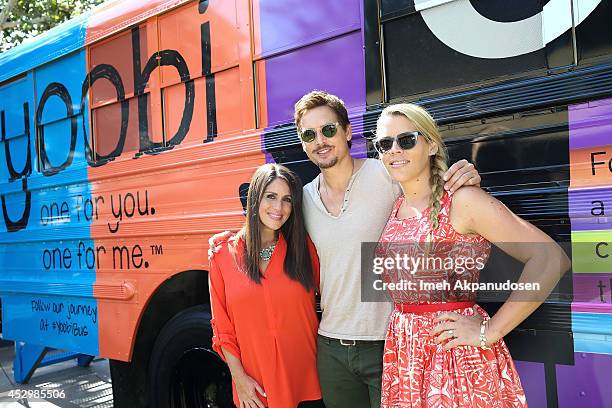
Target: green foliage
point(28, 18)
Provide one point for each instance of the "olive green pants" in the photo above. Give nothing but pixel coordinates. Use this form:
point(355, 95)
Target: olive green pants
point(350, 375)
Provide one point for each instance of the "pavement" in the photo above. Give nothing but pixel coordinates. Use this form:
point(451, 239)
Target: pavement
point(73, 386)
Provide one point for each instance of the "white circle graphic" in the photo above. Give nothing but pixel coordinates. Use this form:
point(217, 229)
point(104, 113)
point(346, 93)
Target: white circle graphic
point(458, 25)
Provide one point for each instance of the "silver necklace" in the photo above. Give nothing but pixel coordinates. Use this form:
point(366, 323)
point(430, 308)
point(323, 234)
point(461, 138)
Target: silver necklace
point(266, 253)
point(323, 182)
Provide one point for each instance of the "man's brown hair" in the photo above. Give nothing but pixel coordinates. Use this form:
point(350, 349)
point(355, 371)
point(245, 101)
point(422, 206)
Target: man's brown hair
point(314, 99)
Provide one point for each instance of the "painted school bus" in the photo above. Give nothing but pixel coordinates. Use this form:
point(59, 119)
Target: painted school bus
point(129, 134)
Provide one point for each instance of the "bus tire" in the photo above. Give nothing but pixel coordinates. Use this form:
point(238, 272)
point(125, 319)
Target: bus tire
point(183, 369)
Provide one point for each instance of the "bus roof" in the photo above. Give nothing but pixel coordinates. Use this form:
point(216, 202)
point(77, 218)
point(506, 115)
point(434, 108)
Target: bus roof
point(115, 16)
point(60, 40)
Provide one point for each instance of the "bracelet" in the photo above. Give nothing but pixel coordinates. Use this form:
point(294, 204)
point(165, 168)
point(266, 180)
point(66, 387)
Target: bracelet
point(483, 337)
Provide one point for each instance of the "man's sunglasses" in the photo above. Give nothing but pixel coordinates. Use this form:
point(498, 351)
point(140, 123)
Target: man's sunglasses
point(405, 141)
point(328, 130)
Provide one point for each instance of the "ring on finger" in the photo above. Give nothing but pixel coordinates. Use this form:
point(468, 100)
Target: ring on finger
point(451, 332)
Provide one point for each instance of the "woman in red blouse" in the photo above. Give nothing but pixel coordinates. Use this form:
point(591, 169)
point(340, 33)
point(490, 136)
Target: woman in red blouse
point(262, 288)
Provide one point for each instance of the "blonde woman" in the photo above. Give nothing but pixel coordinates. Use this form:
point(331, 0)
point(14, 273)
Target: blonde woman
point(442, 349)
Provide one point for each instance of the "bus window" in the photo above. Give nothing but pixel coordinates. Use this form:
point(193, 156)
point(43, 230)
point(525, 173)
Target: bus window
point(16, 122)
point(116, 104)
point(594, 36)
point(201, 89)
point(433, 49)
point(58, 113)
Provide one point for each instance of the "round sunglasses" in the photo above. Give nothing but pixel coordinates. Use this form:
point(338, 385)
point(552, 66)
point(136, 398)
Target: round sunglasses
point(405, 141)
point(328, 130)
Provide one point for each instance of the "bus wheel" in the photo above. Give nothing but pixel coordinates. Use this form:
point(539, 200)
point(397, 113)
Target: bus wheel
point(184, 371)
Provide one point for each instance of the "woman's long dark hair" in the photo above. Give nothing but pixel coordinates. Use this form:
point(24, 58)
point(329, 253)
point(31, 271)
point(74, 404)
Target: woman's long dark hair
point(298, 264)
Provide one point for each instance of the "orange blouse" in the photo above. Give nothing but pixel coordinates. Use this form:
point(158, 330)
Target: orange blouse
point(271, 327)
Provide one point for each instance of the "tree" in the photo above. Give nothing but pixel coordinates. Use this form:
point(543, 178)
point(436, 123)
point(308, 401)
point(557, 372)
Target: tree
point(21, 19)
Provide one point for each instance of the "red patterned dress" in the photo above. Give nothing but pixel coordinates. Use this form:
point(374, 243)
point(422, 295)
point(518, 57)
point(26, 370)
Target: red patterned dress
point(416, 371)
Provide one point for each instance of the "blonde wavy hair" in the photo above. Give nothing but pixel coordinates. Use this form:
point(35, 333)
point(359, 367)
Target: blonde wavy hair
point(426, 125)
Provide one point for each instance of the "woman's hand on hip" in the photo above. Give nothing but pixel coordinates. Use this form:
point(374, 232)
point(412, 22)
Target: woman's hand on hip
point(454, 329)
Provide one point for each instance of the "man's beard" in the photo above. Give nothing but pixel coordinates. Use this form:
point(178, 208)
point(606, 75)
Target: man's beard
point(327, 165)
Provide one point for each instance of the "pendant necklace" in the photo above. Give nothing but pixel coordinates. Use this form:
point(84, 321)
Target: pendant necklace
point(266, 253)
